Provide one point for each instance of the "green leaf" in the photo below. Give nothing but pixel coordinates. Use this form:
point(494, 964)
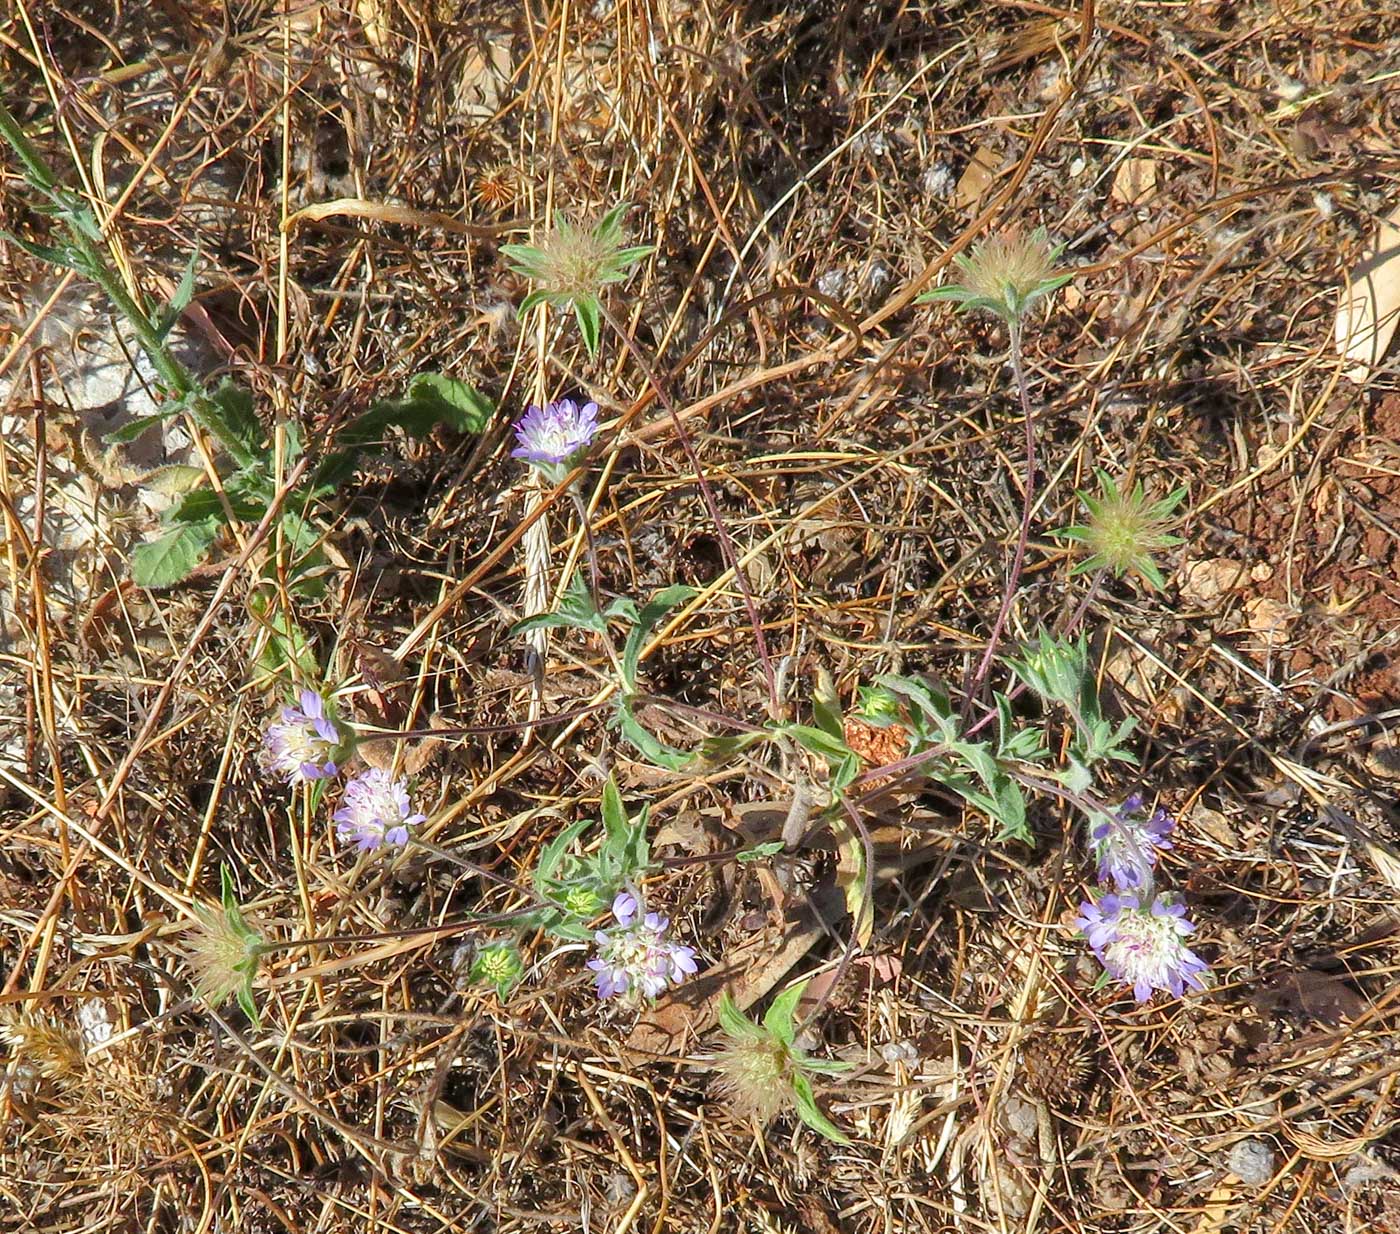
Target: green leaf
point(204, 503)
point(651, 748)
point(615, 821)
point(778, 1018)
point(64, 256)
point(623, 609)
point(759, 851)
point(589, 313)
point(133, 430)
point(228, 894)
point(174, 479)
point(621, 262)
point(525, 260)
point(826, 712)
point(609, 228)
point(576, 611)
point(735, 1022)
point(228, 414)
point(172, 557)
point(245, 1000)
point(542, 621)
point(810, 1114)
point(843, 774)
point(432, 399)
point(288, 646)
point(826, 1066)
point(179, 302)
point(722, 749)
point(553, 852)
point(656, 608)
point(819, 742)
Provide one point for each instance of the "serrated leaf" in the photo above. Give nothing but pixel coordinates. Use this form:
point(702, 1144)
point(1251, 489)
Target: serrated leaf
point(810, 1113)
point(171, 558)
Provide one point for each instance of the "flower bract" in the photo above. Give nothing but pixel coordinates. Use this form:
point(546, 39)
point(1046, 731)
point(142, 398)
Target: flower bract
point(1124, 529)
point(376, 811)
point(1005, 275)
point(571, 265)
point(1141, 945)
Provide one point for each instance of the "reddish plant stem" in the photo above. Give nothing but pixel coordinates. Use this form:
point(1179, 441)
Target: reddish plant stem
point(1013, 579)
point(726, 545)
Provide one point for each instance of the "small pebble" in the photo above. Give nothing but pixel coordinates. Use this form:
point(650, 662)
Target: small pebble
point(1252, 1162)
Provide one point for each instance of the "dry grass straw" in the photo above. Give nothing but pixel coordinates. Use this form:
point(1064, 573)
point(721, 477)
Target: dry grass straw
point(865, 454)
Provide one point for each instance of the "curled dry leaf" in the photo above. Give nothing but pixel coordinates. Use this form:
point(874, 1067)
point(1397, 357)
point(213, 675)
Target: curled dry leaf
point(1370, 304)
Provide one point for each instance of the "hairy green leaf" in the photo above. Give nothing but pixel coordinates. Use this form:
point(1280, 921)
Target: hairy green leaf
point(172, 557)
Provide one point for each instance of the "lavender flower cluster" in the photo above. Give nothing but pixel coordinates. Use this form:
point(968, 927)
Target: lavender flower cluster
point(1136, 931)
point(636, 960)
point(301, 746)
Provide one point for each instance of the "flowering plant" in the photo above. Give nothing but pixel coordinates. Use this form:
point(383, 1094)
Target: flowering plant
point(636, 961)
point(377, 811)
point(570, 266)
point(302, 743)
point(762, 1069)
point(553, 436)
point(223, 951)
point(1141, 943)
point(1126, 843)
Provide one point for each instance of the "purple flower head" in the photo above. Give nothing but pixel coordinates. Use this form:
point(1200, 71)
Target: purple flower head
point(1143, 946)
point(1126, 843)
point(301, 742)
point(636, 961)
point(376, 811)
point(553, 435)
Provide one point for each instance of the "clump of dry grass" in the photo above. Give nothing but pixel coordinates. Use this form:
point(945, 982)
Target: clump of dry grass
point(865, 458)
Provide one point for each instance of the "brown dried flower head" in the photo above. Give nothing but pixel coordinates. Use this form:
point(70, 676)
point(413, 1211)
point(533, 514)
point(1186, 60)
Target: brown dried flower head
point(45, 1047)
point(755, 1077)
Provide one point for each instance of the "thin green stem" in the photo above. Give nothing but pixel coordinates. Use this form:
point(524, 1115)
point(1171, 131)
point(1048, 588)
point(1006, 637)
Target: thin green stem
point(93, 262)
point(581, 509)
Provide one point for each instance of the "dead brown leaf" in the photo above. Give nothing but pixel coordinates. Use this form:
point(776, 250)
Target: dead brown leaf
point(1135, 182)
point(1370, 302)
